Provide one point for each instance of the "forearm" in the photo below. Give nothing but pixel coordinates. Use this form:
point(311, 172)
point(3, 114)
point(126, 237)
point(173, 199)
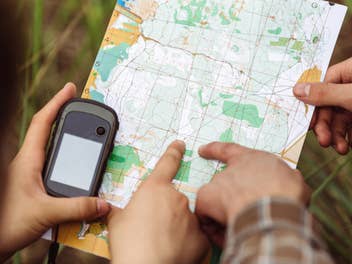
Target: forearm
point(133, 255)
point(137, 258)
point(127, 251)
point(277, 231)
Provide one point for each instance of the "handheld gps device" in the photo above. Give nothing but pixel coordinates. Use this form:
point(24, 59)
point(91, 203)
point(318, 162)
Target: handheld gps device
point(80, 146)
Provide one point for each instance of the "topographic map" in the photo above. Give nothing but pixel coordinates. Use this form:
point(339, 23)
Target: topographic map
point(203, 71)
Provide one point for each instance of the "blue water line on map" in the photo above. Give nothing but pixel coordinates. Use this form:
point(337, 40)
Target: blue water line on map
point(121, 3)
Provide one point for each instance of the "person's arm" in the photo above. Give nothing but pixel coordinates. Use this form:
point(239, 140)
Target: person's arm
point(157, 225)
point(235, 203)
point(26, 210)
point(276, 230)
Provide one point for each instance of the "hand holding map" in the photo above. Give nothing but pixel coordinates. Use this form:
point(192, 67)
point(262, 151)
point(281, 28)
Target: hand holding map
point(332, 119)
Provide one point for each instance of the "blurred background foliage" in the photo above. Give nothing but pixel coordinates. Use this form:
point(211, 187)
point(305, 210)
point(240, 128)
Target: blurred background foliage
point(63, 39)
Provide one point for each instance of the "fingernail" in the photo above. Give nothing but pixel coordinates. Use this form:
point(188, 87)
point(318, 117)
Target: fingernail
point(71, 87)
point(180, 142)
point(68, 85)
point(102, 207)
point(302, 89)
point(201, 148)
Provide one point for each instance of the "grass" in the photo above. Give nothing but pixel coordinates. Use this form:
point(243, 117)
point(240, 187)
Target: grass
point(349, 4)
point(63, 41)
point(332, 197)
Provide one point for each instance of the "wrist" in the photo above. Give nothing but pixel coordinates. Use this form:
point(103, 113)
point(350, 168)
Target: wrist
point(267, 212)
point(234, 206)
point(271, 216)
point(236, 209)
point(137, 258)
point(141, 252)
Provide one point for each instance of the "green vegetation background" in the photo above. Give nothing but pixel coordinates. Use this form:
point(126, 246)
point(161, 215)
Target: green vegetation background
point(63, 40)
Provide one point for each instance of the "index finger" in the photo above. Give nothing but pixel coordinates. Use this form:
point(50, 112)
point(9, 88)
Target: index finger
point(340, 73)
point(168, 165)
point(40, 127)
point(223, 152)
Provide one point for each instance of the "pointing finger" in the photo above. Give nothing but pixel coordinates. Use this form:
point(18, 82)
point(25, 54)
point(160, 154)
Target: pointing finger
point(223, 152)
point(169, 163)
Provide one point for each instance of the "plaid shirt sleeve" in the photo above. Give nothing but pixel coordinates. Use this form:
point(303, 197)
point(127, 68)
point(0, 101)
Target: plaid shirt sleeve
point(274, 231)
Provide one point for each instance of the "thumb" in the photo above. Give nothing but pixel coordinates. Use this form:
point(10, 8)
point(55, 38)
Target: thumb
point(61, 210)
point(113, 215)
point(325, 94)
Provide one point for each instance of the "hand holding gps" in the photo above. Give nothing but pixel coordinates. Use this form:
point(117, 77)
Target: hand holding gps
point(80, 147)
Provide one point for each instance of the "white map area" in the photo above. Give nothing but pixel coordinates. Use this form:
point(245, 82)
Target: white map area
point(210, 70)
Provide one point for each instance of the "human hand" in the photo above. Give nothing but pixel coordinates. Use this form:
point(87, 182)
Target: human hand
point(157, 225)
point(250, 175)
point(27, 211)
point(332, 121)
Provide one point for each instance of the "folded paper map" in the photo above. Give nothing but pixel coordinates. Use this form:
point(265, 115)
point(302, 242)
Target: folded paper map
point(203, 71)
